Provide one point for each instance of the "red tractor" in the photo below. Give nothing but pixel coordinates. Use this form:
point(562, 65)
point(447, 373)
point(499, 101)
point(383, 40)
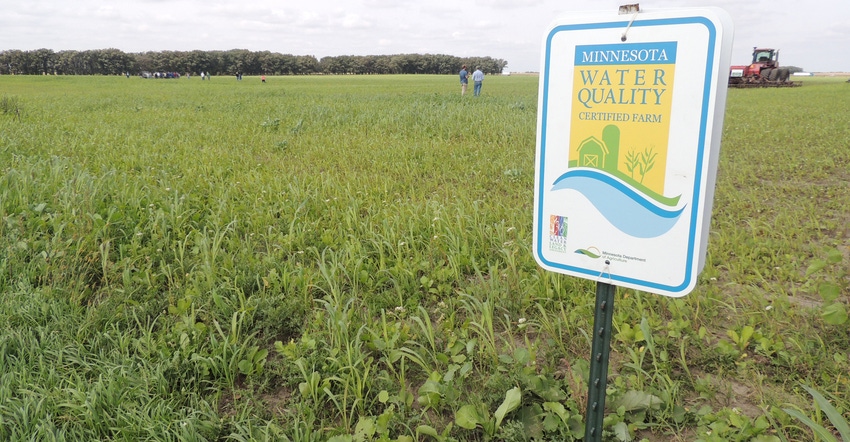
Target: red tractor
point(764, 71)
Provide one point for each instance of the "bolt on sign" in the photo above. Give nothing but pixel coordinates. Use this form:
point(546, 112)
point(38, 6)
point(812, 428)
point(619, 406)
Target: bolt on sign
point(630, 115)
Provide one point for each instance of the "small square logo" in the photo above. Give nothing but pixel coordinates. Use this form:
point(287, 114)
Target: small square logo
point(558, 226)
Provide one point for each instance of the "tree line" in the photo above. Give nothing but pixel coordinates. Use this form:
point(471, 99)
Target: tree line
point(116, 62)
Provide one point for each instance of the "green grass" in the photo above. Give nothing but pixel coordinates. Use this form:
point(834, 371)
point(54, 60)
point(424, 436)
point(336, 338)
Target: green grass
point(348, 258)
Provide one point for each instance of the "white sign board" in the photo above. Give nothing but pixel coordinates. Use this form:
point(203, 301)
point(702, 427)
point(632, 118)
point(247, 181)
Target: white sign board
point(630, 115)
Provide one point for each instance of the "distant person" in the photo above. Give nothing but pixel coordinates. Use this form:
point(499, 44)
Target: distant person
point(464, 80)
point(203, 77)
point(263, 78)
point(478, 79)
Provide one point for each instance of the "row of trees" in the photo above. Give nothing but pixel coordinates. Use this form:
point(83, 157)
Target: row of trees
point(408, 64)
point(116, 62)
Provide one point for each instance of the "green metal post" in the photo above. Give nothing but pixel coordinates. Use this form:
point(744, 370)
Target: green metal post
point(600, 347)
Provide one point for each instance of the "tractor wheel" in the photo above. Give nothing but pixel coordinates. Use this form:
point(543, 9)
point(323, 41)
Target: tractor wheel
point(774, 75)
point(784, 73)
point(765, 74)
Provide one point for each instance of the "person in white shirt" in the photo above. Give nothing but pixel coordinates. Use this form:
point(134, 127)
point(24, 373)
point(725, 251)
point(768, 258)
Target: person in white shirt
point(478, 79)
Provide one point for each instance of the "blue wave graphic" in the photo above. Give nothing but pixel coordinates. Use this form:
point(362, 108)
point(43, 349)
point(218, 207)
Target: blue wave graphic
point(628, 210)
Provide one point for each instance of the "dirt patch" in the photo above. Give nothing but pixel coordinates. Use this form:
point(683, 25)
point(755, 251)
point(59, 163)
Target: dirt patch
point(685, 436)
point(805, 300)
point(277, 401)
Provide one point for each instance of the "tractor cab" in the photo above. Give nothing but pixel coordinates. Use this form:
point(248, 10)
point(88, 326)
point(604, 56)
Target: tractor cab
point(763, 55)
point(764, 58)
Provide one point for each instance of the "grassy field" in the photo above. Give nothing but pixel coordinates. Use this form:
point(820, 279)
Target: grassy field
point(349, 259)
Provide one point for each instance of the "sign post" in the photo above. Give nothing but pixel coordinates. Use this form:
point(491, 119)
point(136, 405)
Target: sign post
point(630, 116)
point(600, 347)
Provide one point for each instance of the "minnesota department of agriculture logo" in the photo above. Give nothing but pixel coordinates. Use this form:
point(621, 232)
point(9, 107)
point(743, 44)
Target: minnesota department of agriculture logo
point(591, 252)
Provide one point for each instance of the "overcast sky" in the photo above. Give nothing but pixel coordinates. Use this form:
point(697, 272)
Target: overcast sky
point(814, 35)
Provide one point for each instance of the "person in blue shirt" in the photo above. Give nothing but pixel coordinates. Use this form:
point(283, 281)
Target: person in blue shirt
point(478, 79)
point(464, 80)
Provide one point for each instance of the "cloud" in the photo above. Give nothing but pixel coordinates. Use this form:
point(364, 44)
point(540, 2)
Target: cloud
point(309, 19)
point(508, 4)
point(107, 12)
point(487, 24)
point(354, 21)
point(388, 4)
